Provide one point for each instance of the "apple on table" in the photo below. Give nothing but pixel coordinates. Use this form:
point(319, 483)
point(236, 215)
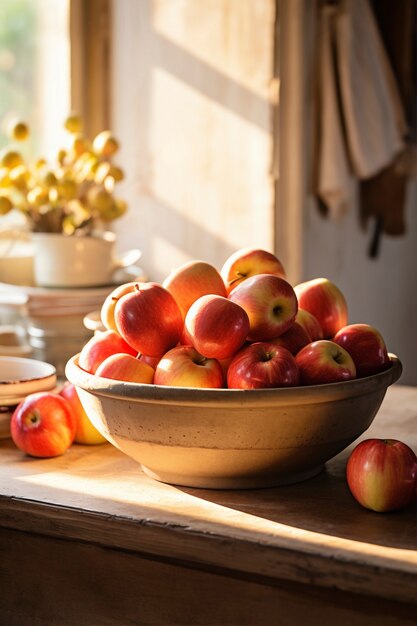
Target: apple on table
point(382, 474)
point(43, 425)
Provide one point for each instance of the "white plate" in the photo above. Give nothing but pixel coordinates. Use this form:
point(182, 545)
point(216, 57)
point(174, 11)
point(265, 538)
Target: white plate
point(50, 301)
point(21, 376)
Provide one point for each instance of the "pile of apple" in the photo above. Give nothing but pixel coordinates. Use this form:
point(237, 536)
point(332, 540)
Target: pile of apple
point(241, 327)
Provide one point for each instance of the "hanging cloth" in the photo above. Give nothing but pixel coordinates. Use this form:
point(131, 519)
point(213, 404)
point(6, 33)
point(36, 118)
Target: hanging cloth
point(371, 106)
point(333, 177)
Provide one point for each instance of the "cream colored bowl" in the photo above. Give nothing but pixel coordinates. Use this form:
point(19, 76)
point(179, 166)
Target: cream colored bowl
point(231, 439)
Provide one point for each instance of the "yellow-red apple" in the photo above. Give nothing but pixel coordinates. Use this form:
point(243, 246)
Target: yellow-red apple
point(366, 346)
point(326, 302)
point(382, 474)
point(248, 262)
point(270, 303)
point(261, 365)
point(100, 346)
point(127, 368)
point(192, 280)
point(183, 366)
point(149, 319)
point(324, 361)
point(310, 324)
point(43, 425)
point(295, 338)
point(86, 432)
point(216, 327)
point(109, 304)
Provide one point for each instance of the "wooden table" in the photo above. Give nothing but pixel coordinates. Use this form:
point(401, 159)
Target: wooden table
point(87, 539)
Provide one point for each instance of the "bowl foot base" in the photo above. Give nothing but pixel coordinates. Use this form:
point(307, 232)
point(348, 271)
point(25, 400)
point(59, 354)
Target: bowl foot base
point(239, 482)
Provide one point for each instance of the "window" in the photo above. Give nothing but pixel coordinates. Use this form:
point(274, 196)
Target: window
point(35, 70)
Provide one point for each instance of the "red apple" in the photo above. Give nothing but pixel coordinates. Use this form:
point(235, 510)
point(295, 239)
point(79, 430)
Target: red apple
point(326, 302)
point(324, 361)
point(149, 319)
point(261, 365)
point(295, 338)
point(310, 324)
point(109, 304)
point(127, 368)
point(366, 346)
point(149, 360)
point(43, 425)
point(85, 432)
point(183, 366)
point(216, 327)
point(100, 346)
point(191, 281)
point(248, 262)
point(270, 303)
point(382, 474)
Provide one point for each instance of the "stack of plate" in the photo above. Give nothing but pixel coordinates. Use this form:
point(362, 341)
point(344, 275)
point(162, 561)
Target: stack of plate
point(53, 318)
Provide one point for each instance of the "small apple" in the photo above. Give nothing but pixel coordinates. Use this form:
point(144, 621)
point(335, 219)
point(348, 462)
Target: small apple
point(192, 280)
point(109, 304)
point(295, 338)
point(324, 361)
point(366, 346)
point(85, 432)
point(216, 327)
point(149, 319)
point(43, 425)
point(127, 368)
point(382, 474)
point(269, 301)
point(261, 365)
point(99, 347)
point(326, 302)
point(183, 366)
point(310, 324)
point(248, 262)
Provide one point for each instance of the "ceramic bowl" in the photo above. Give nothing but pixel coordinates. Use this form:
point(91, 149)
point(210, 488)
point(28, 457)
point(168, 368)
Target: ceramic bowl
point(231, 439)
point(18, 378)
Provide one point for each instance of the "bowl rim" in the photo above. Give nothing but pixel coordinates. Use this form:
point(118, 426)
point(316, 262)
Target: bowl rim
point(42, 370)
point(299, 395)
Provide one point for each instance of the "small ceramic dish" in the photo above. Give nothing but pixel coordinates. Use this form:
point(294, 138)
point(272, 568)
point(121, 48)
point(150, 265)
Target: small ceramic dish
point(21, 376)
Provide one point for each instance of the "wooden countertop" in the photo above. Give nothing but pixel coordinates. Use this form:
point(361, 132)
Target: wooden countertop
point(313, 532)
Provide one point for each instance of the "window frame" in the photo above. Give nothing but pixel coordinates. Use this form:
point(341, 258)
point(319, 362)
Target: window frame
point(90, 62)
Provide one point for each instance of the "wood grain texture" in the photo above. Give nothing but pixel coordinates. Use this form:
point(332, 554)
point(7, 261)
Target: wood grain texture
point(62, 583)
point(312, 533)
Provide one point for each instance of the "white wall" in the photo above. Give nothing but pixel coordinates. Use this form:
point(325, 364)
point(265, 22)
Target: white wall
point(380, 291)
point(191, 105)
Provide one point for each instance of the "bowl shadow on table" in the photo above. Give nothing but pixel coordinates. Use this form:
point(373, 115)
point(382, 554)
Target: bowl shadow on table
point(323, 505)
